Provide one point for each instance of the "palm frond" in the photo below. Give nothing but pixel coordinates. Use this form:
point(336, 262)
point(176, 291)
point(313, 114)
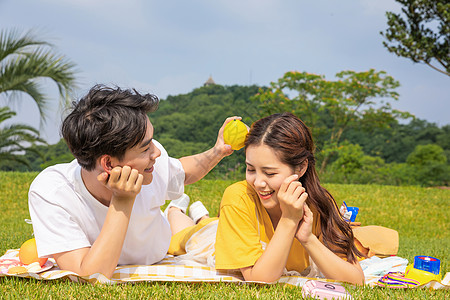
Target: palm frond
point(6, 113)
point(20, 132)
point(12, 42)
point(13, 157)
point(25, 61)
point(13, 137)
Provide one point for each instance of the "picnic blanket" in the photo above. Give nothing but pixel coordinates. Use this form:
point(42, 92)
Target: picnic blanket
point(168, 270)
point(195, 263)
point(165, 270)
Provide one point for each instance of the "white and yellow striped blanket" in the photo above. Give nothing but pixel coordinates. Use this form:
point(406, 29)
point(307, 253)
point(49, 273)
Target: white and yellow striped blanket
point(165, 270)
point(169, 270)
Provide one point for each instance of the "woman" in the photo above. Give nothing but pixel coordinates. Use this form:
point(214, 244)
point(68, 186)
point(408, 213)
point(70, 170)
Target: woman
point(280, 217)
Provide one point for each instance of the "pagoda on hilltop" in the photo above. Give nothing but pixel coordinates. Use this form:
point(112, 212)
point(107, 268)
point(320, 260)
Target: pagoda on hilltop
point(210, 81)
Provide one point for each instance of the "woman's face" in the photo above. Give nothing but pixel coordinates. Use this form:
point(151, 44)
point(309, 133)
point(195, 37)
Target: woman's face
point(265, 173)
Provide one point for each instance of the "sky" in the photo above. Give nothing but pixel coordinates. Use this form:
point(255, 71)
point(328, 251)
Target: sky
point(172, 47)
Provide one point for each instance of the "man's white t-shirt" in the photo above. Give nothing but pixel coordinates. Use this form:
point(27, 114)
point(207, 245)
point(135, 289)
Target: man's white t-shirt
point(67, 217)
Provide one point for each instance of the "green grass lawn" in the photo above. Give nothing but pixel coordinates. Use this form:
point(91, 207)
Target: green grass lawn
point(420, 215)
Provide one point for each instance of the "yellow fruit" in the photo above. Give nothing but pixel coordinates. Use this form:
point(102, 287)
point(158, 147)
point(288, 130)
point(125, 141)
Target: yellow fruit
point(234, 134)
point(28, 253)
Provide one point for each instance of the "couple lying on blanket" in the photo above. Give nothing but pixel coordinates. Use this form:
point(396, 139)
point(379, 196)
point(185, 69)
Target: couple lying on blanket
point(103, 209)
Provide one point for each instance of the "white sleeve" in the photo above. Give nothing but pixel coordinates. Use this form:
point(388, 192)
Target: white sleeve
point(54, 227)
point(175, 187)
point(173, 174)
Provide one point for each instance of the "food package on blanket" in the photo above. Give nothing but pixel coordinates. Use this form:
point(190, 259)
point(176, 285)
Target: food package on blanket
point(349, 213)
point(324, 290)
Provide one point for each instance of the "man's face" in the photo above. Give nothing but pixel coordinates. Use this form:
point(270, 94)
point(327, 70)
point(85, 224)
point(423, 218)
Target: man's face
point(143, 156)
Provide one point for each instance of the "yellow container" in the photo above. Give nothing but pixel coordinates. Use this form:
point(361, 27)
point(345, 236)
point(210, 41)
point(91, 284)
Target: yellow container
point(420, 275)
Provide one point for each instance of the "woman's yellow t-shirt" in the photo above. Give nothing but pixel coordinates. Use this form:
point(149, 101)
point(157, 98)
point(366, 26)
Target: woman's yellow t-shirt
point(245, 229)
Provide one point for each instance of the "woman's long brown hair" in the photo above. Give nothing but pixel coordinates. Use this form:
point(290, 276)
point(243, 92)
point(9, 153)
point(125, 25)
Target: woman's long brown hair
point(289, 137)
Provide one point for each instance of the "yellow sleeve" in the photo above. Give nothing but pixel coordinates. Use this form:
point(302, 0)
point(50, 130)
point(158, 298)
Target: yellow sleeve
point(237, 240)
point(178, 241)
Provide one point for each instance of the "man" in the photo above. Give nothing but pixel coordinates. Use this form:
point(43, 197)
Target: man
point(103, 208)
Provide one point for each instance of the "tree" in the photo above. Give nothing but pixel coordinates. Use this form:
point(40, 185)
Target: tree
point(12, 138)
point(425, 154)
point(353, 166)
point(396, 142)
point(355, 99)
point(188, 123)
point(24, 61)
point(430, 164)
point(422, 34)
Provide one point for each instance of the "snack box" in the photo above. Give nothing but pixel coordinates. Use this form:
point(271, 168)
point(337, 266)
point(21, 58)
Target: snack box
point(324, 290)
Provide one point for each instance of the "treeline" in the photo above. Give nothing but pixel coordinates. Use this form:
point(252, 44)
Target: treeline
point(413, 153)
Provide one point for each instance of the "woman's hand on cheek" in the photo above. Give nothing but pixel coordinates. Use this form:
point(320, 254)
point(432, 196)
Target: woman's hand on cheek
point(292, 197)
point(304, 231)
